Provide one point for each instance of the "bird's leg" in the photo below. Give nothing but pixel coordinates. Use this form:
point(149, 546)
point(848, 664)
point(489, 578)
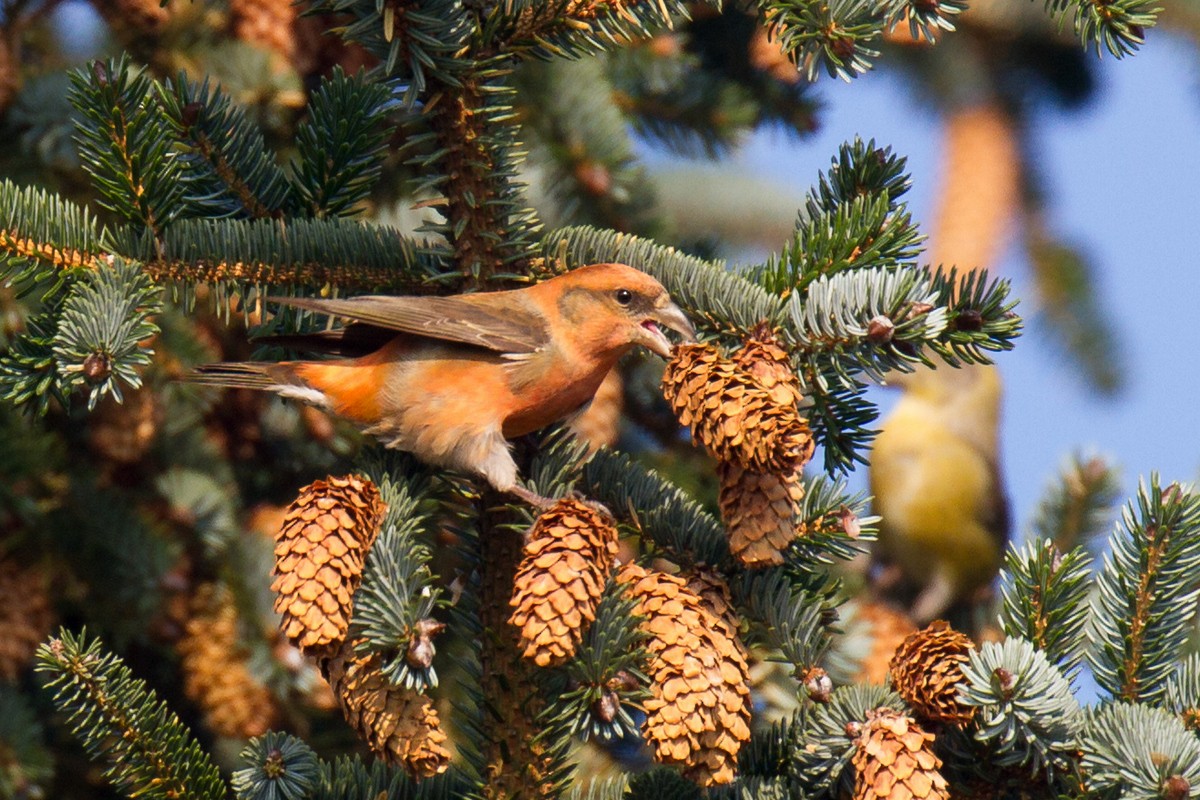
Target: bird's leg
point(534, 499)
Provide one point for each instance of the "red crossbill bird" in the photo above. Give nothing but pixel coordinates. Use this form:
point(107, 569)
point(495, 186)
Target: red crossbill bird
point(451, 379)
point(938, 488)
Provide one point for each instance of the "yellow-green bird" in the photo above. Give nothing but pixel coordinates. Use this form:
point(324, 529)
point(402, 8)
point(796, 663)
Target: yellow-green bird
point(937, 485)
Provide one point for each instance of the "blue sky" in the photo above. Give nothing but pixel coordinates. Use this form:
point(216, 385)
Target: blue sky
point(1122, 177)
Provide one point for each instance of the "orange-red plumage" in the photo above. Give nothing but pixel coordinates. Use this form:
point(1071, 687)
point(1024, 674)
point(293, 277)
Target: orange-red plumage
point(451, 378)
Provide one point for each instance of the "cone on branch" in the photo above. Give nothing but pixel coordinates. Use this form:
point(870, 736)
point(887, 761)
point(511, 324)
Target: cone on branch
point(399, 724)
point(26, 615)
point(216, 670)
point(320, 551)
point(698, 715)
point(894, 760)
point(760, 508)
point(733, 415)
point(927, 669)
point(567, 561)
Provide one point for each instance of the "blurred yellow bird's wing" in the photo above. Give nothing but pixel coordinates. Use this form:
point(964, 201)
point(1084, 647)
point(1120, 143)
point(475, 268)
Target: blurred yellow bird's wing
point(480, 320)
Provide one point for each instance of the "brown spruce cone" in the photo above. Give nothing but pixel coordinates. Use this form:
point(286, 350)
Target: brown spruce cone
point(400, 725)
point(926, 669)
point(216, 669)
point(567, 560)
point(732, 414)
point(714, 594)
point(320, 552)
point(699, 713)
point(894, 760)
point(759, 510)
point(600, 423)
point(26, 615)
point(124, 432)
point(265, 23)
point(887, 629)
point(767, 362)
point(981, 196)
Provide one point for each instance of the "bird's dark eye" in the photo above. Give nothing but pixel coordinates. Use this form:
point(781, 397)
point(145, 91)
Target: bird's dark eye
point(624, 296)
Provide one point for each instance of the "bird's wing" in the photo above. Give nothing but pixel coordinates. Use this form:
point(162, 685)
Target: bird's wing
point(503, 327)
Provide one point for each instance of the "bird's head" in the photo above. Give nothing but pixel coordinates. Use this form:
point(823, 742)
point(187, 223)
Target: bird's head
point(620, 306)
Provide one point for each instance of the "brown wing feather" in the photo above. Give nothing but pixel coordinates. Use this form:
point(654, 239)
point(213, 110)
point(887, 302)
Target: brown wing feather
point(455, 319)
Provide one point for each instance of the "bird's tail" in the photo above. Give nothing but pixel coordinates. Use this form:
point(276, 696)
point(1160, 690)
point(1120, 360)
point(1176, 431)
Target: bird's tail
point(281, 378)
point(239, 375)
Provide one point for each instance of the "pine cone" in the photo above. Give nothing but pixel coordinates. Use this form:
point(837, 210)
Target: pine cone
point(265, 23)
point(124, 432)
point(567, 561)
point(732, 414)
point(600, 423)
point(216, 669)
point(400, 725)
point(759, 510)
point(699, 713)
point(765, 360)
point(887, 629)
point(714, 594)
point(26, 615)
point(894, 759)
point(320, 551)
point(926, 669)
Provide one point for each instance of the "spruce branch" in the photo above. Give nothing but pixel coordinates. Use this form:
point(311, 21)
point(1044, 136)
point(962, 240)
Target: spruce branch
point(126, 144)
point(342, 144)
point(105, 322)
point(839, 36)
point(860, 169)
point(472, 173)
point(660, 510)
point(118, 720)
point(924, 18)
point(979, 314)
point(29, 374)
point(1138, 752)
point(1079, 504)
point(718, 301)
point(833, 525)
point(575, 28)
point(863, 231)
point(786, 618)
point(1026, 711)
point(869, 321)
point(591, 694)
point(43, 238)
point(822, 761)
point(232, 171)
point(238, 256)
point(1045, 597)
point(1147, 592)
point(1119, 25)
point(393, 608)
point(418, 44)
point(1182, 697)
point(279, 766)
